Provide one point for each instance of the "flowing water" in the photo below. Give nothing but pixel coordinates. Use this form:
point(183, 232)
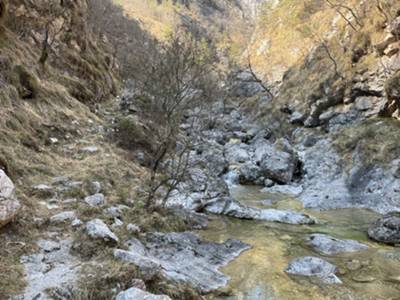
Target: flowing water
point(258, 274)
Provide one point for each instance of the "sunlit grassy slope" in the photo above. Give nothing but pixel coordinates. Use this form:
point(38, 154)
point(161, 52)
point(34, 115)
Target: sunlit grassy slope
point(286, 33)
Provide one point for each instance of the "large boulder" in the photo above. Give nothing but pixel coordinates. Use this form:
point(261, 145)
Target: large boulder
point(386, 229)
point(9, 205)
point(138, 294)
point(276, 164)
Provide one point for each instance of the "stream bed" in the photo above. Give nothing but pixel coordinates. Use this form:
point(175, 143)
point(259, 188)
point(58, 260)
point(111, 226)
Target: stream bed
point(258, 274)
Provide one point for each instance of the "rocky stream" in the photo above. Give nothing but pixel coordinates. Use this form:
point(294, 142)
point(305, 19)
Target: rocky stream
point(272, 218)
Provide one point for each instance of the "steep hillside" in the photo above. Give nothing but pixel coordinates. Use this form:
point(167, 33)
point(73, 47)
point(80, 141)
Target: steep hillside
point(52, 70)
point(228, 24)
point(54, 73)
point(144, 145)
point(323, 54)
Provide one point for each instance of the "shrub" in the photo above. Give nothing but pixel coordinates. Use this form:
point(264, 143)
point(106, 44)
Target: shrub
point(26, 82)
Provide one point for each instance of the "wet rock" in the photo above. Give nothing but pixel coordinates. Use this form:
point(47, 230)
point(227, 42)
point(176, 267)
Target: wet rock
point(66, 216)
point(291, 190)
point(328, 245)
point(386, 229)
point(185, 258)
point(96, 200)
point(137, 294)
point(314, 267)
point(97, 229)
point(235, 209)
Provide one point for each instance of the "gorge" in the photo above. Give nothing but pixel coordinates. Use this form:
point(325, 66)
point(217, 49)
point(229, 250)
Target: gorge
point(199, 149)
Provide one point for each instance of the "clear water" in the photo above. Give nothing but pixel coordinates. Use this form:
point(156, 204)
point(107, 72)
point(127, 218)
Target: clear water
point(258, 274)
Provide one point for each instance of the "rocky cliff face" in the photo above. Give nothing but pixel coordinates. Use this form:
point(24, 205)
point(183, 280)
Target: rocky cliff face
point(327, 57)
point(336, 73)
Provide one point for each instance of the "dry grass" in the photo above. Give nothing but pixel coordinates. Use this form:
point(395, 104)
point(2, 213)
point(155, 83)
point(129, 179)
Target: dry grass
point(377, 145)
point(100, 281)
point(286, 34)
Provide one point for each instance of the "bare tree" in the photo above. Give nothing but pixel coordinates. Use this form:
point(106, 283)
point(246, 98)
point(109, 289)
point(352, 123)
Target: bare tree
point(48, 41)
point(324, 44)
point(339, 7)
point(128, 40)
point(175, 79)
point(258, 80)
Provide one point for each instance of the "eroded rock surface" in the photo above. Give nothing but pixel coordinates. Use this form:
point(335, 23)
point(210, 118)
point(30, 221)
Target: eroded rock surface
point(184, 257)
point(314, 267)
point(137, 294)
point(328, 245)
point(51, 270)
point(233, 208)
